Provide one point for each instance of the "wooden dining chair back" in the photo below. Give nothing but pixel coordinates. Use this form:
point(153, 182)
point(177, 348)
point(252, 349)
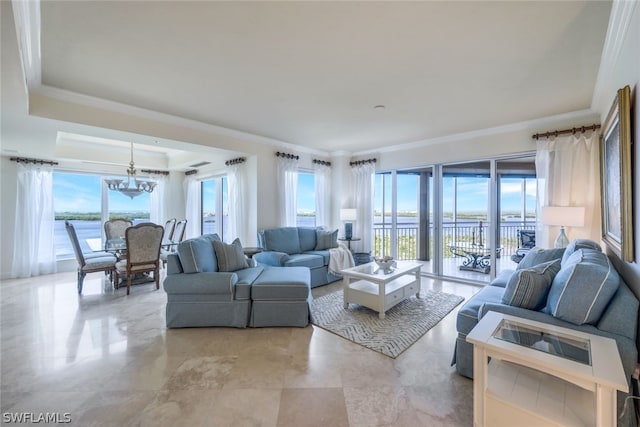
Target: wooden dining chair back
point(90, 262)
point(116, 228)
point(143, 252)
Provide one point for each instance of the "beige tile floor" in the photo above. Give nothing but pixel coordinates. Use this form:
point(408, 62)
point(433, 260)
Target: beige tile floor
point(108, 360)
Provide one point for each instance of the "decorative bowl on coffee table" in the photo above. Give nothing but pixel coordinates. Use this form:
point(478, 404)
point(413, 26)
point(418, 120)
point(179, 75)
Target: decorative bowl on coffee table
point(385, 263)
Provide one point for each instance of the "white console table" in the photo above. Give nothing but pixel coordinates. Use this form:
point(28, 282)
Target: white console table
point(530, 383)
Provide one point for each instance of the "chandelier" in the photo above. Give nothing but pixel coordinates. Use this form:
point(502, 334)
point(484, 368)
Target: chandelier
point(132, 187)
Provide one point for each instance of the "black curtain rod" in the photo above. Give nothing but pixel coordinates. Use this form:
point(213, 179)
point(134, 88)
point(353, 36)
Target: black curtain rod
point(235, 161)
point(34, 161)
point(581, 129)
point(321, 162)
point(362, 162)
point(191, 172)
point(288, 156)
point(154, 172)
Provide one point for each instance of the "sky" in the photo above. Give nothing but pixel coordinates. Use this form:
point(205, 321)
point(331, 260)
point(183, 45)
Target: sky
point(82, 193)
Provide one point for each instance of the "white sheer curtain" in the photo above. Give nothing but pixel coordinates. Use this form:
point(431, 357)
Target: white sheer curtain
point(363, 201)
point(33, 249)
point(287, 190)
point(322, 178)
point(568, 174)
point(193, 203)
point(237, 181)
point(157, 199)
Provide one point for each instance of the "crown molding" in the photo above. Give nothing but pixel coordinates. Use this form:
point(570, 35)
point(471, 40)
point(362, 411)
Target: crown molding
point(513, 127)
point(619, 22)
point(26, 17)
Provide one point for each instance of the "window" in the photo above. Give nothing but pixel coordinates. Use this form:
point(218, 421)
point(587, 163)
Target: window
point(78, 198)
point(306, 200)
point(215, 206)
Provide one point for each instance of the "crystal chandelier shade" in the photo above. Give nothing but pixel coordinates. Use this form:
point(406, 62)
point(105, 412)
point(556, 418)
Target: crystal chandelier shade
point(132, 187)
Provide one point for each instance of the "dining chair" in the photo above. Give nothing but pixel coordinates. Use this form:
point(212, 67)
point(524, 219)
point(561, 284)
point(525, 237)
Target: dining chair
point(169, 228)
point(143, 253)
point(89, 262)
point(178, 236)
point(115, 228)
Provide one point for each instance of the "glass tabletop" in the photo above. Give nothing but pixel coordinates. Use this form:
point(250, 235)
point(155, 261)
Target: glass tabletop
point(562, 345)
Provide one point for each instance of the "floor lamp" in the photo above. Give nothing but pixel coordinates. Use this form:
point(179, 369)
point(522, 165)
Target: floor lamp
point(564, 216)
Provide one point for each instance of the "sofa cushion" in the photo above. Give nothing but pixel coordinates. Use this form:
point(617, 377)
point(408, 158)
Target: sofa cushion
point(246, 277)
point(284, 239)
point(307, 238)
point(468, 315)
point(583, 287)
point(537, 256)
point(502, 278)
point(230, 256)
point(578, 244)
point(326, 240)
point(326, 256)
point(528, 288)
point(197, 255)
point(305, 260)
point(281, 284)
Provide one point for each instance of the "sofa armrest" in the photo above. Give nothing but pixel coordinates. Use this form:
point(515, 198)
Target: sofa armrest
point(273, 258)
point(200, 283)
point(173, 264)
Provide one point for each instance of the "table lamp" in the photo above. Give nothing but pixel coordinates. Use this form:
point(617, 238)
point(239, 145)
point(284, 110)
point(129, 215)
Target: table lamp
point(348, 215)
point(564, 216)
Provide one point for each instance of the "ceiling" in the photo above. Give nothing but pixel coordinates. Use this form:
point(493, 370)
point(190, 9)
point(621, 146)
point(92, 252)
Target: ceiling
point(311, 73)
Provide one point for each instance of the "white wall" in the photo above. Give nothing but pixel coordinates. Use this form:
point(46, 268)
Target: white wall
point(8, 171)
point(627, 72)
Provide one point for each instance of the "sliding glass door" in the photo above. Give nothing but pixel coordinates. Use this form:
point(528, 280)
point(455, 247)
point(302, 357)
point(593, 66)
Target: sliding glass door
point(461, 220)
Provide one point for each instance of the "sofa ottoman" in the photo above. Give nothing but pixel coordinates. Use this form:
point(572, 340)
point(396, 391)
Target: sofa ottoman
point(281, 297)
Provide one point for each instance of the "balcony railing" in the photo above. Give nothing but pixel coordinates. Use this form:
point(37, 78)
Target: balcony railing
point(454, 233)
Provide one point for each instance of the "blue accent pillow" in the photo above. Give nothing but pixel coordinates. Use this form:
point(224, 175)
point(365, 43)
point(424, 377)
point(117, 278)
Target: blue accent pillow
point(537, 256)
point(197, 255)
point(326, 240)
point(528, 288)
point(583, 287)
point(579, 244)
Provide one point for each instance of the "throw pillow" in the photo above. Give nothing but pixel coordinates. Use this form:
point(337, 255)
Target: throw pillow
point(537, 256)
point(577, 245)
point(326, 239)
point(528, 288)
point(582, 289)
point(197, 254)
point(230, 256)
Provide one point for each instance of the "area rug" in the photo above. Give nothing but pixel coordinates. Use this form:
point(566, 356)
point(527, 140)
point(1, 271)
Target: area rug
point(402, 326)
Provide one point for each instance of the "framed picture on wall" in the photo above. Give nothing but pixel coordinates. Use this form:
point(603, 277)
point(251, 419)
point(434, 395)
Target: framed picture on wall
point(615, 159)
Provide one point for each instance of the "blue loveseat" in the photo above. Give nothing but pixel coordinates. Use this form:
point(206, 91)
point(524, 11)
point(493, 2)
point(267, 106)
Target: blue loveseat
point(200, 294)
point(299, 247)
point(585, 294)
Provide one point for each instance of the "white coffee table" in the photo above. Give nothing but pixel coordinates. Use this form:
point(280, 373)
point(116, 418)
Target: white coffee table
point(542, 375)
point(371, 287)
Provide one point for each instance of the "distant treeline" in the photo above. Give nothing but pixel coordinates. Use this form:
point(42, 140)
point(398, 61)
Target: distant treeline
point(96, 216)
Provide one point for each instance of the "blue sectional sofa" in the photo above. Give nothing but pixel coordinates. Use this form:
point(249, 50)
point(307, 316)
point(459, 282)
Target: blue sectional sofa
point(299, 247)
point(199, 294)
point(585, 293)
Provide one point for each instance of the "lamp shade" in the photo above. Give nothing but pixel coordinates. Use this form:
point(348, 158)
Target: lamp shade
point(348, 214)
point(565, 216)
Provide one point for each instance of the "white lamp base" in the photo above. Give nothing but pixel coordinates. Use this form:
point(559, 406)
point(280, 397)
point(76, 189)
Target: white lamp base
point(561, 241)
